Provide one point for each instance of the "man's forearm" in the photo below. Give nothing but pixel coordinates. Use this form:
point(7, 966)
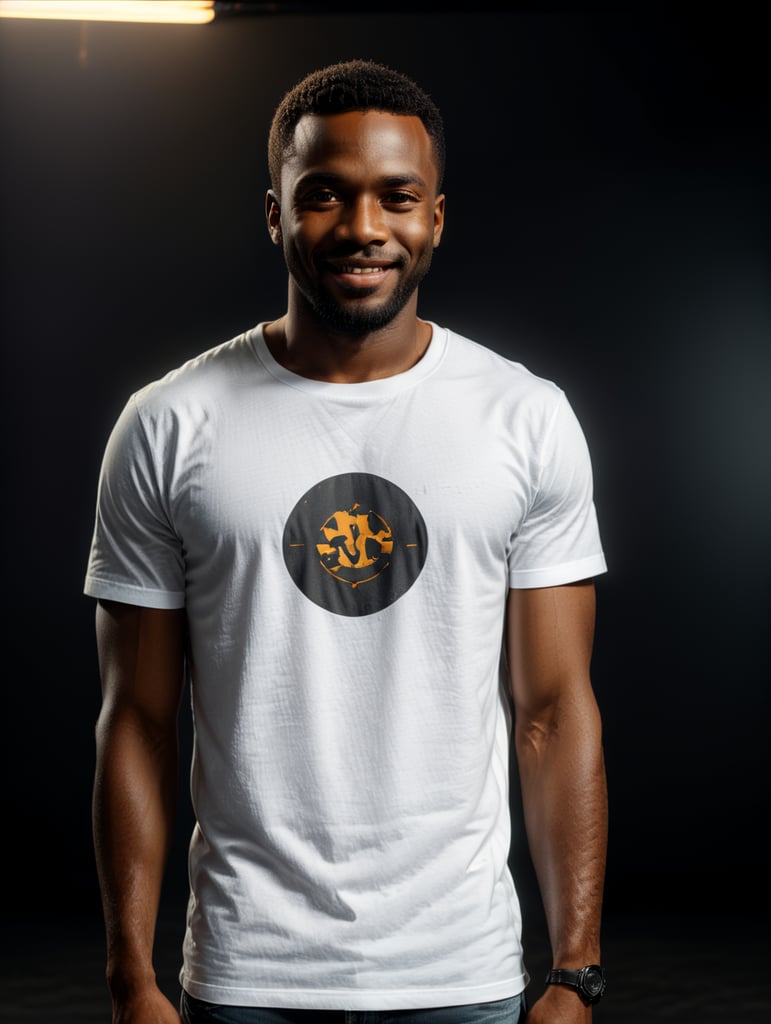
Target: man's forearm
point(133, 810)
point(565, 807)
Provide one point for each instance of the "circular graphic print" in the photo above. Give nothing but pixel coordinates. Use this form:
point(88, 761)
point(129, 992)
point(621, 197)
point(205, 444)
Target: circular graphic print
point(355, 543)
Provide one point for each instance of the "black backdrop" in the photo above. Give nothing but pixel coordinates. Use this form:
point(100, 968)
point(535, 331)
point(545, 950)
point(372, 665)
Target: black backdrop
point(608, 223)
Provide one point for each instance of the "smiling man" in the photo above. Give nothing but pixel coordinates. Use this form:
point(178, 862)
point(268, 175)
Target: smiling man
point(366, 541)
point(361, 218)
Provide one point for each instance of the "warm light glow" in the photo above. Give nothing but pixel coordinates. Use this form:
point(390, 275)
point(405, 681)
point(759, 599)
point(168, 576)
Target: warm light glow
point(176, 12)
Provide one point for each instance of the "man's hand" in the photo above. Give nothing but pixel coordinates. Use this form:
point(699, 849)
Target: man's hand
point(559, 1005)
point(150, 1006)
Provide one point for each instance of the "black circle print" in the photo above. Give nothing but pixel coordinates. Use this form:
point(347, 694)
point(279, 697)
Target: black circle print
point(355, 543)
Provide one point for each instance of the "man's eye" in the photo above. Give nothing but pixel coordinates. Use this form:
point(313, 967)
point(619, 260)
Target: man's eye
point(320, 195)
point(398, 198)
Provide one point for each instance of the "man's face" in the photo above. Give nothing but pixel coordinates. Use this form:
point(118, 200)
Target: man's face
point(358, 217)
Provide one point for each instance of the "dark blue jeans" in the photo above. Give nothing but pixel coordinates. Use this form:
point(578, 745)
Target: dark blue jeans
point(504, 1011)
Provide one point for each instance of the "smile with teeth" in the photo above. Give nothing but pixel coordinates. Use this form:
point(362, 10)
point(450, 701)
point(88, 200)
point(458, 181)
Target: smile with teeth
point(359, 269)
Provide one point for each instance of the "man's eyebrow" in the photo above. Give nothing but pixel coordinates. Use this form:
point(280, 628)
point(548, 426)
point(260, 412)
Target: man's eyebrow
point(331, 178)
point(396, 180)
point(319, 178)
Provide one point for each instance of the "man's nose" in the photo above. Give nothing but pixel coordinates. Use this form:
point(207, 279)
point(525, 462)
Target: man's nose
point(363, 222)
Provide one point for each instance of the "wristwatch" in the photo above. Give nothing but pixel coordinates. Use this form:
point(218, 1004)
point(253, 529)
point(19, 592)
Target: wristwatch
point(589, 981)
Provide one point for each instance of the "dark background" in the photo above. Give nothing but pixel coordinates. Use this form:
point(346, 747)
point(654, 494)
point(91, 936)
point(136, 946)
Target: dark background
point(608, 224)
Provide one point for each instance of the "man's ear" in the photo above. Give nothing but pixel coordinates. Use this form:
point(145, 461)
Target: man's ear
point(273, 216)
point(438, 219)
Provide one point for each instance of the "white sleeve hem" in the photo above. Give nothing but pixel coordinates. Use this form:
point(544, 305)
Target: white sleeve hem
point(144, 597)
point(554, 576)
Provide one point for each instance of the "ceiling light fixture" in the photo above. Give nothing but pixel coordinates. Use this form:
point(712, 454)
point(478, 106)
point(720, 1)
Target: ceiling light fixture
point(161, 12)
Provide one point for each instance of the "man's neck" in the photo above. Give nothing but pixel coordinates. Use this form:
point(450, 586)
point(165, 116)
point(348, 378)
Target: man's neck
point(311, 350)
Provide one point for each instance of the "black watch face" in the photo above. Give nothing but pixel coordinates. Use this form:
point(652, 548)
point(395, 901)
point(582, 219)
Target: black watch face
point(593, 983)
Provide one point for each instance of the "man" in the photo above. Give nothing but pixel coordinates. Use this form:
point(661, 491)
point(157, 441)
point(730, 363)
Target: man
point(364, 538)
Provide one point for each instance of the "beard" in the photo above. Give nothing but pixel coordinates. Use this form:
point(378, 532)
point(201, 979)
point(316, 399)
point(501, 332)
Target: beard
point(355, 318)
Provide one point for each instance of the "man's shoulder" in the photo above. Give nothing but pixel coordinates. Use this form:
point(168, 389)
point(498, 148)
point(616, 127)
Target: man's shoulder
point(207, 372)
point(486, 360)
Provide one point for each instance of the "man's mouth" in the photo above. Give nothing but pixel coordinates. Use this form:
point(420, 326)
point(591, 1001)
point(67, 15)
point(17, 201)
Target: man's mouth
point(353, 269)
point(355, 274)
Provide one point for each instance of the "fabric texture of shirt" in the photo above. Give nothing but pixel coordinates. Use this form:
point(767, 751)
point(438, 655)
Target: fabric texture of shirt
point(344, 554)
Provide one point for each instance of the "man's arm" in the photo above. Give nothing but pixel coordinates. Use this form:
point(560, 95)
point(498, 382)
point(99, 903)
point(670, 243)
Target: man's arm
point(558, 742)
point(141, 663)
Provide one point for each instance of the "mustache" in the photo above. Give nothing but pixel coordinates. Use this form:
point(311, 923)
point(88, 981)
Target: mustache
point(368, 252)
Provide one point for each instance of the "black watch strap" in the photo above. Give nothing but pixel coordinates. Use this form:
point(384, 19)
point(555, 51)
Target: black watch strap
point(589, 981)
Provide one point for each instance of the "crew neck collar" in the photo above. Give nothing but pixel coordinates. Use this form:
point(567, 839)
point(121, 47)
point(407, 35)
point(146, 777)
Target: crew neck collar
point(362, 390)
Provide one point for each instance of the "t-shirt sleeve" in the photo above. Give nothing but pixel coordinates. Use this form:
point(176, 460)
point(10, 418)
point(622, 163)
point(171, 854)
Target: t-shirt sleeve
point(559, 541)
point(136, 557)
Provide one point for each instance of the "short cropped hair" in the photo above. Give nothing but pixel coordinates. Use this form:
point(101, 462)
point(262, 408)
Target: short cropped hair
point(351, 85)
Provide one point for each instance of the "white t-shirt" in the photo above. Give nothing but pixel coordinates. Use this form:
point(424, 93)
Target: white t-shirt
point(344, 553)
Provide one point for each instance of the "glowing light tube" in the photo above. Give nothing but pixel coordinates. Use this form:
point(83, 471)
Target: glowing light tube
point(169, 12)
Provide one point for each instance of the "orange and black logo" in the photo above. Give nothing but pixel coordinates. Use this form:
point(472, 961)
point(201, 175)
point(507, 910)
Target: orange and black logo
point(355, 543)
